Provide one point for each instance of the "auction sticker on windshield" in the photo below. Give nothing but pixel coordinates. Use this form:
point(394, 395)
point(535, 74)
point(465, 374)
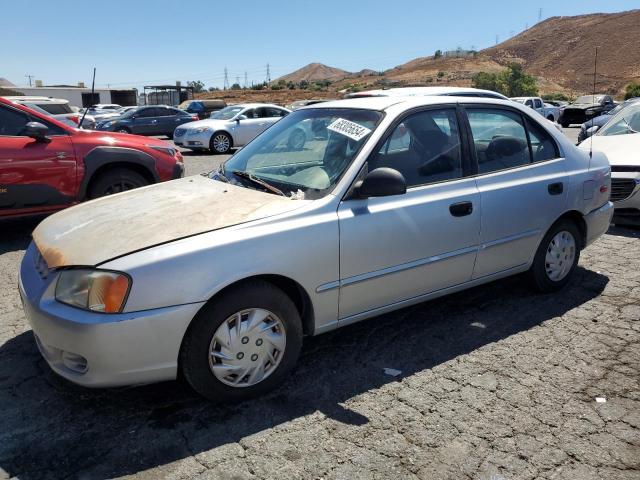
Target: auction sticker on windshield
point(349, 129)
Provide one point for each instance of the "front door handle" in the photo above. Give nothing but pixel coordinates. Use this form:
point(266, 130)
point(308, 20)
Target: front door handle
point(461, 209)
point(555, 188)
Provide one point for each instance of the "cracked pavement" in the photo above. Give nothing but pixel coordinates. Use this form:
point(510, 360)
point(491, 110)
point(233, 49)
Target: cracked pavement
point(497, 383)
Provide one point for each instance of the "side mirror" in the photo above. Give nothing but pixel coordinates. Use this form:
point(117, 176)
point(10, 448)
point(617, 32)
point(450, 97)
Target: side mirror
point(592, 130)
point(37, 130)
point(241, 117)
point(381, 182)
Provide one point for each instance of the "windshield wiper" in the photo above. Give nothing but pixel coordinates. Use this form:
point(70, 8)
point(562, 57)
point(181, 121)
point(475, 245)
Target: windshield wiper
point(628, 126)
point(257, 181)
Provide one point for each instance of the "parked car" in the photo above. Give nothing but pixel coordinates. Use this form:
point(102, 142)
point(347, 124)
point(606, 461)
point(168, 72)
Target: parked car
point(585, 108)
point(428, 91)
point(231, 127)
point(45, 165)
point(202, 108)
point(557, 103)
point(547, 111)
point(106, 106)
point(150, 120)
point(219, 277)
point(72, 120)
point(620, 142)
point(592, 126)
point(57, 108)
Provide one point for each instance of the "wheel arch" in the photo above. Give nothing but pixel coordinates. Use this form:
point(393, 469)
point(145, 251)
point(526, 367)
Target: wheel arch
point(102, 159)
point(578, 218)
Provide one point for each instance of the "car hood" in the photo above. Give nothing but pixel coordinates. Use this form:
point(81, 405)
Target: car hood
point(94, 232)
point(583, 106)
point(619, 149)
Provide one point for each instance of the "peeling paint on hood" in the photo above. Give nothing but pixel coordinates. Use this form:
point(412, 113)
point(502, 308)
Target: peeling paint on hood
point(96, 231)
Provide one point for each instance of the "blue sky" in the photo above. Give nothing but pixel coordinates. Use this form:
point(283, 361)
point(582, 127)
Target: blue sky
point(133, 43)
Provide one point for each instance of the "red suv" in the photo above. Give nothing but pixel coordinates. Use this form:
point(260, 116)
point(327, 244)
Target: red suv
point(46, 165)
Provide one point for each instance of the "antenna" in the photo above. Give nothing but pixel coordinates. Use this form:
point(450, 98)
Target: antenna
point(593, 98)
point(93, 84)
point(29, 77)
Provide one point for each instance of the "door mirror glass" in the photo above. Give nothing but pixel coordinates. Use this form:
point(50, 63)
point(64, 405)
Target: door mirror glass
point(36, 130)
point(382, 182)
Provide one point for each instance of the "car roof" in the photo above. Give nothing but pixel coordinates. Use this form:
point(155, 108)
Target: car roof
point(425, 91)
point(406, 102)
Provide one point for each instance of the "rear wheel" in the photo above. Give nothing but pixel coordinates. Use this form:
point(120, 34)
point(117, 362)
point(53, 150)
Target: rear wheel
point(116, 181)
point(556, 258)
point(220, 142)
point(243, 343)
point(565, 124)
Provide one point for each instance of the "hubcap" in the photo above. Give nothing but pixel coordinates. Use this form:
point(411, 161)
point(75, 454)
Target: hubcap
point(221, 143)
point(120, 186)
point(247, 347)
point(561, 254)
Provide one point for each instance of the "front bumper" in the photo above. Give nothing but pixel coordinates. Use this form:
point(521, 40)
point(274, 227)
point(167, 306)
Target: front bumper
point(193, 140)
point(598, 222)
point(101, 350)
point(627, 200)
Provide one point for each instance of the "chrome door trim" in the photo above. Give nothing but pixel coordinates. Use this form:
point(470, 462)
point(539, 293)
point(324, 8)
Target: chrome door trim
point(394, 269)
point(510, 238)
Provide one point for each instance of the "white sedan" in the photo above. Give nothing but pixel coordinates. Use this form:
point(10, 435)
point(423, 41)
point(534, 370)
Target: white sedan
point(233, 126)
point(619, 140)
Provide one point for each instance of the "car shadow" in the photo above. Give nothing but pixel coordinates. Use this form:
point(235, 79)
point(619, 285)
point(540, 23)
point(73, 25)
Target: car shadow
point(53, 428)
point(16, 232)
point(620, 231)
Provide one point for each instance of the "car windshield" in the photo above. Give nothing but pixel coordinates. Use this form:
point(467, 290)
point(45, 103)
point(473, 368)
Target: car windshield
point(304, 154)
point(589, 99)
point(226, 113)
point(625, 121)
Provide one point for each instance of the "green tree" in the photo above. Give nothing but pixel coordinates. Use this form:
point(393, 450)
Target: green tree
point(486, 81)
point(512, 82)
point(438, 54)
point(236, 86)
point(197, 85)
point(632, 90)
point(303, 84)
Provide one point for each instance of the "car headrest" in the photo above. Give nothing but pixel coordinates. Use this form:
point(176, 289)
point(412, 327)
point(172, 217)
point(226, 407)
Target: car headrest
point(505, 147)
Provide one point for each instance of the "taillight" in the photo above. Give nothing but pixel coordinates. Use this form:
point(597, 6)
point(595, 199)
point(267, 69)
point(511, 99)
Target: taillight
point(74, 118)
point(195, 117)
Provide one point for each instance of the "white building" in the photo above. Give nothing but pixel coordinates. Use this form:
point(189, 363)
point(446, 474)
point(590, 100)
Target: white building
point(81, 96)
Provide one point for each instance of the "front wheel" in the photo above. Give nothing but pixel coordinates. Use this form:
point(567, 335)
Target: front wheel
point(242, 344)
point(116, 181)
point(565, 124)
point(556, 257)
point(220, 143)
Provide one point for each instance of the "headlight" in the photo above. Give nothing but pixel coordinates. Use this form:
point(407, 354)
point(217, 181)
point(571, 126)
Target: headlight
point(95, 290)
point(161, 148)
point(199, 130)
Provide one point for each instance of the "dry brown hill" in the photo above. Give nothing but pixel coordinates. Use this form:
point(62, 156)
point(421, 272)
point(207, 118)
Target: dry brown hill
point(314, 72)
point(561, 49)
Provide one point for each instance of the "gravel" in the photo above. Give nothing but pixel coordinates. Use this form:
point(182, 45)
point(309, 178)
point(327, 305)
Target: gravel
point(496, 382)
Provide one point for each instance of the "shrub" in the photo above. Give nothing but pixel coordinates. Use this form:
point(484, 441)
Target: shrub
point(632, 90)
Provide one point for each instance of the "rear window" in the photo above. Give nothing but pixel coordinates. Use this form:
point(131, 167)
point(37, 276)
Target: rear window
point(55, 108)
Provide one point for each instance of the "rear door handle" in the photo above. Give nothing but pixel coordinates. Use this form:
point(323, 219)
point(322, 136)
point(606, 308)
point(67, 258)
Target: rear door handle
point(461, 209)
point(555, 188)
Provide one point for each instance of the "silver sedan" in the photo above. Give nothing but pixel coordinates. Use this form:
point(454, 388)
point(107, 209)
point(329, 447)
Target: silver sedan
point(388, 202)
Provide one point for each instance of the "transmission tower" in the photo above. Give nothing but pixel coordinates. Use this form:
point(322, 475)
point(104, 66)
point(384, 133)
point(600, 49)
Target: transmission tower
point(226, 79)
point(268, 74)
point(245, 79)
point(540, 15)
point(237, 80)
point(29, 77)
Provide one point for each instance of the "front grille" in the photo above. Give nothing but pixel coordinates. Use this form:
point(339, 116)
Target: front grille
point(621, 188)
point(41, 264)
point(178, 132)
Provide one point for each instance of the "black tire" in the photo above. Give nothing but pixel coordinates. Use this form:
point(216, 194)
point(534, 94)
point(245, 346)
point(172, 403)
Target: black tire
point(550, 117)
point(195, 349)
point(218, 145)
point(115, 181)
point(296, 140)
point(538, 275)
point(123, 130)
point(169, 136)
point(565, 124)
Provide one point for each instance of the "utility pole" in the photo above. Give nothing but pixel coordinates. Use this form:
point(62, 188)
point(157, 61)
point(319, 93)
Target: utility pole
point(226, 79)
point(29, 77)
point(268, 74)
